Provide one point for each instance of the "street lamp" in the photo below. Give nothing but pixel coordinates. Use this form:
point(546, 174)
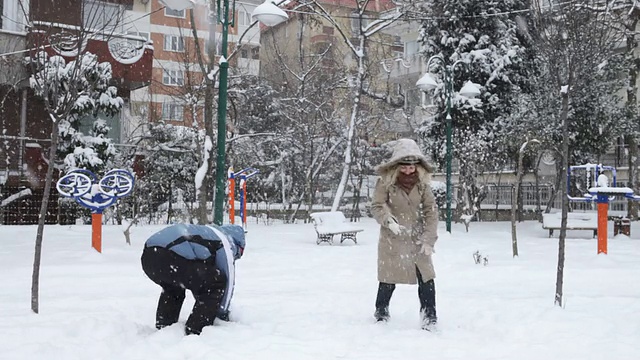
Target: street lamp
point(427, 83)
point(271, 15)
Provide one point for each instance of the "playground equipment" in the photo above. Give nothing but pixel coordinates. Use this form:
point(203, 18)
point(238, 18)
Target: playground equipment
point(244, 175)
point(600, 192)
point(85, 188)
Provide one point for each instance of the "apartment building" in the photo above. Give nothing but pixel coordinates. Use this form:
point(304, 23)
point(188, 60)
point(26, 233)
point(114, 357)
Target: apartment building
point(65, 28)
point(175, 94)
point(305, 38)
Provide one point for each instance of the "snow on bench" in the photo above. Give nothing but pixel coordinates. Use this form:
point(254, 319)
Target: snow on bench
point(575, 221)
point(331, 223)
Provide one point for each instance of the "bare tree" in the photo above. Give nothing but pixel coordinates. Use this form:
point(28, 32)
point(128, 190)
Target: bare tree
point(359, 45)
point(68, 90)
point(516, 193)
point(308, 76)
point(572, 41)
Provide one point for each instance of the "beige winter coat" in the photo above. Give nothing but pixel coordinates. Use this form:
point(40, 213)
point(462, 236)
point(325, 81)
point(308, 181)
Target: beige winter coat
point(417, 214)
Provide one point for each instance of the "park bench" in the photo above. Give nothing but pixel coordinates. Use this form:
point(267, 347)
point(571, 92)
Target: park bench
point(575, 221)
point(330, 223)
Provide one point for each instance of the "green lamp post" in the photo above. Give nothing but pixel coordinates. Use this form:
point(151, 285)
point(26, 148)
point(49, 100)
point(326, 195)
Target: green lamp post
point(427, 83)
point(267, 13)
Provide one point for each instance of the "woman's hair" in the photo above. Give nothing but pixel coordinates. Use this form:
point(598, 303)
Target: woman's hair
point(390, 176)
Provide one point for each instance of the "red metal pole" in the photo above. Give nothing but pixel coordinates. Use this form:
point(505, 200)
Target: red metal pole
point(96, 231)
point(603, 208)
point(232, 198)
point(244, 203)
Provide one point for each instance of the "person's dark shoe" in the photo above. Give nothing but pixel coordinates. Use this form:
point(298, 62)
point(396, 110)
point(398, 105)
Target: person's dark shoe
point(429, 323)
point(381, 314)
point(224, 316)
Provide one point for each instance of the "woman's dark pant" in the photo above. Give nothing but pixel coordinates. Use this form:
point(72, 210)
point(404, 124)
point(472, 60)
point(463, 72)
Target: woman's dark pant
point(426, 294)
point(175, 274)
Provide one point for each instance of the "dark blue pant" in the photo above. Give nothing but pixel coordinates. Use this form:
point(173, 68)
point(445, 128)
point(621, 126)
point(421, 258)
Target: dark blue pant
point(426, 294)
point(175, 274)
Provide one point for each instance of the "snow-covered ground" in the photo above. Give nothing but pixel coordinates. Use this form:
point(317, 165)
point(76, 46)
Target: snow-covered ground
point(297, 300)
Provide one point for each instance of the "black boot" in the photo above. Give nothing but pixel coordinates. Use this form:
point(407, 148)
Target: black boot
point(429, 321)
point(427, 295)
point(204, 311)
point(381, 314)
point(382, 301)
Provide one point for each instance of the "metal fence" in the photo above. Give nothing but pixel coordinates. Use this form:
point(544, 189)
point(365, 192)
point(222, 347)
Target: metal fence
point(501, 196)
point(26, 210)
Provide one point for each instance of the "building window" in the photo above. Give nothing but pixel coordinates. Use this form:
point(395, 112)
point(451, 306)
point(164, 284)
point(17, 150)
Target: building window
point(138, 43)
point(173, 13)
point(139, 108)
point(255, 53)
point(411, 48)
point(244, 18)
point(172, 111)
point(173, 43)
point(102, 16)
point(142, 34)
point(356, 25)
point(244, 53)
point(173, 77)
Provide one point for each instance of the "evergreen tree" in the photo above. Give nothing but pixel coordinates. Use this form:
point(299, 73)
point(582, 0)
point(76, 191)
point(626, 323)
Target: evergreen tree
point(483, 36)
point(170, 163)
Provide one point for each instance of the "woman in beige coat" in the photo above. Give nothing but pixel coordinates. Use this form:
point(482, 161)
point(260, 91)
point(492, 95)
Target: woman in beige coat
point(405, 208)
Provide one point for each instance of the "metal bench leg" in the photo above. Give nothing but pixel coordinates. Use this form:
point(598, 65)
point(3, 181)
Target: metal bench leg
point(348, 236)
point(324, 238)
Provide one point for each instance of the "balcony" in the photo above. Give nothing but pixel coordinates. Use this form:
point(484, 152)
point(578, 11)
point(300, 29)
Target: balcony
point(11, 43)
point(131, 57)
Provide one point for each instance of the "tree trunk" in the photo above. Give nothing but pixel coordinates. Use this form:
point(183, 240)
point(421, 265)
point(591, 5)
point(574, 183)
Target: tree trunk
point(514, 202)
point(565, 200)
point(346, 166)
point(560, 175)
point(632, 206)
point(207, 155)
point(209, 109)
point(127, 231)
point(632, 143)
point(170, 205)
point(519, 203)
point(352, 127)
point(514, 236)
point(35, 279)
point(537, 187)
point(355, 215)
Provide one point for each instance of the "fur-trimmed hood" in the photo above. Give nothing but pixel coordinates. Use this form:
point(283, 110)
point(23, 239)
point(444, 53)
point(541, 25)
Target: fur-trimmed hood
point(402, 149)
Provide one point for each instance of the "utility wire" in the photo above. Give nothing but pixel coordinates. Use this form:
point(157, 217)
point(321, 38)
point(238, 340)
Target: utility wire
point(418, 17)
point(13, 20)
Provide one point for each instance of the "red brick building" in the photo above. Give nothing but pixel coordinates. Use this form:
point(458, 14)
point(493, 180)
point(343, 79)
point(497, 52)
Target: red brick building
point(66, 28)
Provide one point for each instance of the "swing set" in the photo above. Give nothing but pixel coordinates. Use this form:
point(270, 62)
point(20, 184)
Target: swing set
point(596, 188)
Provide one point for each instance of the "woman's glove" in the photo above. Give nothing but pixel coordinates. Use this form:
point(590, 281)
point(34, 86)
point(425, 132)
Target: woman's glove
point(425, 247)
point(392, 224)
